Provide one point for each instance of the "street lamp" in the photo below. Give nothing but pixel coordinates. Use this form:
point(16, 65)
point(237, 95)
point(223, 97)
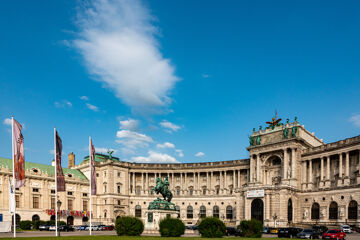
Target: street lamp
point(58, 206)
point(275, 217)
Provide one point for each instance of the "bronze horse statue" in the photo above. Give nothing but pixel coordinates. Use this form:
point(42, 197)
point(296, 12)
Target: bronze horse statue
point(163, 188)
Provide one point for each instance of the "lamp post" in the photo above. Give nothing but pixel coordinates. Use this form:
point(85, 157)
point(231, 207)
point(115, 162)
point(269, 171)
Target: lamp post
point(58, 206)
point(275, 217)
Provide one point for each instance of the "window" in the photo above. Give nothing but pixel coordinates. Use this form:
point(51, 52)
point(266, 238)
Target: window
point(69, 175)
point(104, 188)
point(104, 174)
point(204, 179)
point(52, 191)
point(35, 190)
point(202, 212)
point(204, 191)
point(118, 174)
point(217, 190)
point(178, 191)
point(36, 202)
point(138, 211)
point(35, 218)
point(70, 204)
point(352, 210)
point(178, 179)
point(191, 191)
point(1, 217)
point(118, 202)
point(216, 211)
point(85, 205)
point(189, 212)
point(177, 208)
point(218, 177)
point(229, 212)
point(69, 193)
point(84, 194)
point(35, 170)
point(105, 201)
point(17, 201)
point(97, 175)
point(138, 190)
point(104, 214)
point(52, 203)
point(333, 210)
point(118, 189)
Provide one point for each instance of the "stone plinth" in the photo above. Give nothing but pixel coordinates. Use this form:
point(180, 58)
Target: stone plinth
point(154, 216)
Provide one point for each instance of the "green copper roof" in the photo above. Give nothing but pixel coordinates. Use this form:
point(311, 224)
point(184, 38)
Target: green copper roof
point(101, 158)
point(48, 169)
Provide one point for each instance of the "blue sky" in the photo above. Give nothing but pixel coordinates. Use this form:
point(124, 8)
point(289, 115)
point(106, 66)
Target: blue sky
point(167, 81)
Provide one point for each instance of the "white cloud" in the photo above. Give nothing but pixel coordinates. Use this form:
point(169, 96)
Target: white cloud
point(200, 154)
point(165, 145)
point(355, 119)
point(105, 150)
point(179, 152)
point(117, 43)
point(129, 124)
point(92, 107)
point(84, 98)
point(169, 126)
point(155, 157)
point(132, 139)
point(204, 75)
point(63, 104)
point(7, 121)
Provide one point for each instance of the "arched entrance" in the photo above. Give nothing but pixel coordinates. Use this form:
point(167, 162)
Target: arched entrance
point(35, 218)
point(70, 220)
point(85, 219)
point(257, 209)
point(52, 218)
point(290, 211)
point(18, 219)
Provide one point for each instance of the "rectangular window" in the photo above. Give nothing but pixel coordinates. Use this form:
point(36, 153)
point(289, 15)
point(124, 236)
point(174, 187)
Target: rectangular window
point(104, 188)
point(35, 190)
point(69, 193)
point(17, 201)
point(85, 205)
point(118, 202)
point(118, 189)
point(70, 204)
point(118, 174)
point(52, 191)
point(52, 203)
point(104, 174)
point(84, 194)
point(36, 202)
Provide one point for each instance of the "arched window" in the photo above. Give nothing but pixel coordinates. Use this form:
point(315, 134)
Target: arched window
point(229, 212)
point(202, 211)
point(52, 218)
point(189, 212)
point(333, 210)
point(315, 211)
point(290, 210)
point(191, 191)
point(35, 218)
point(118, 189)
point(353, 210)
point(138, 211)
point(204, 191)
point(85, 219)
point(178, 191)
point(216, 211)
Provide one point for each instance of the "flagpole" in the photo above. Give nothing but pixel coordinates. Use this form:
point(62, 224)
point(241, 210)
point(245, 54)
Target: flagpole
point(56, 197)
point(90, 183)
point(13, 158)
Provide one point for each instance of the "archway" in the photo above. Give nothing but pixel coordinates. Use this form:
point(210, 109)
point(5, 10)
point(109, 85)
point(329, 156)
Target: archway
point(353, 210)
point(333, 210)
point(35, 218)
point(315, 211)
point(290, 211)
point(18, 219)
point(85, 219)
point(70, 220)
point(257, 209)
point(52, 218)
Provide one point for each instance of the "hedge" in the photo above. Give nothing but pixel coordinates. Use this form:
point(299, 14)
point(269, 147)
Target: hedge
point(25, 225)
point(171, 227)
point(129, 226)
point(251, 228)
point(212, 227)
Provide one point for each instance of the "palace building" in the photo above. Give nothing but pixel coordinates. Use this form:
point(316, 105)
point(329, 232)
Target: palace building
point(290, 178)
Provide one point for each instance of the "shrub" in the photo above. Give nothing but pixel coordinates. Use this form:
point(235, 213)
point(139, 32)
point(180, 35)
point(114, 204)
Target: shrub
point(251, 228)
point(25, 225)
point(171, 227)
point(129, 226)
point(211, 227)
point(50, 223)
point(61, 223)
point(36, 224)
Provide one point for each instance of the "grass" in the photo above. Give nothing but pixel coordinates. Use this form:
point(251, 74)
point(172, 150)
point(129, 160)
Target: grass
point(127, 238)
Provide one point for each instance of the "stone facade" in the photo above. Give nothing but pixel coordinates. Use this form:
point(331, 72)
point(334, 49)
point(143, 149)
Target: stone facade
point(290, 178)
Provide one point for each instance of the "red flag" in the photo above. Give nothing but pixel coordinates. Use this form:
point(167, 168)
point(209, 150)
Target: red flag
point(92, 169)
point(59, 172)
point(19, 157)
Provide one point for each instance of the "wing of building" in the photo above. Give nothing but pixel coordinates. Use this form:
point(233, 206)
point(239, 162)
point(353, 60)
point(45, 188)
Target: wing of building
point(291, 177)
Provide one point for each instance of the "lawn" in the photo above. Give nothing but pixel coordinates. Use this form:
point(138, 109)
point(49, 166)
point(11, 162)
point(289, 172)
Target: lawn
point(127, 238)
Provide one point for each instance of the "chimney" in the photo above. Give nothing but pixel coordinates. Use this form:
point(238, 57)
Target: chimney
point(71, 161)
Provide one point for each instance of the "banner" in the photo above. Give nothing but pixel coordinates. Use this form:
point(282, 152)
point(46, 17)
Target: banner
point(60, 176)
point(19, 158)
point(11, 198)
point(92, 169)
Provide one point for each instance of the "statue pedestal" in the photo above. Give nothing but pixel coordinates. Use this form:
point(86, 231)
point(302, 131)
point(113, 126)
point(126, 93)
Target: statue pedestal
point(153, 218)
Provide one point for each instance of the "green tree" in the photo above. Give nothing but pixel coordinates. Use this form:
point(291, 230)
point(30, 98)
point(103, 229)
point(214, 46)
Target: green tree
point(171, 227)
point(251, 228)
point(129, 226)
point(212, 227)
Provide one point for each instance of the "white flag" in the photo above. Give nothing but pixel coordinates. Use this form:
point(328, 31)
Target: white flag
point(11, 198)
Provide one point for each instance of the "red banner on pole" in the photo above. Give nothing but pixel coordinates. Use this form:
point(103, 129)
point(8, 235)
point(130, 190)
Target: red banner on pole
point(92, 169)
point(59, 172)
point(19, 156)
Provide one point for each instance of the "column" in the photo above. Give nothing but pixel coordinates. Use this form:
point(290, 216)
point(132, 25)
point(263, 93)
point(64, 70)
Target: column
point(293, 163)
point(142, 183)
point(130, 183)
point(234, 180)
point(239, 179)
point(322, 169)
point(267, 208)
point(134, 183)
point(310, 172)
point(225, 182)
point(285, 164)
point(211, 182)
point(172, 182)
point(199, 185)
point(181, 183)
point(347, 168)
point(147, 183)
point(251, 175)
point(208, 186)
point(304, 177)
point(258, 167)
point(340, 165)
point(185, 183)
point(220, 182)
point(327, 183)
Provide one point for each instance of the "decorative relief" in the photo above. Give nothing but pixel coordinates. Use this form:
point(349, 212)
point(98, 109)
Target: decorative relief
point(35, 184)
point(305, 213)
